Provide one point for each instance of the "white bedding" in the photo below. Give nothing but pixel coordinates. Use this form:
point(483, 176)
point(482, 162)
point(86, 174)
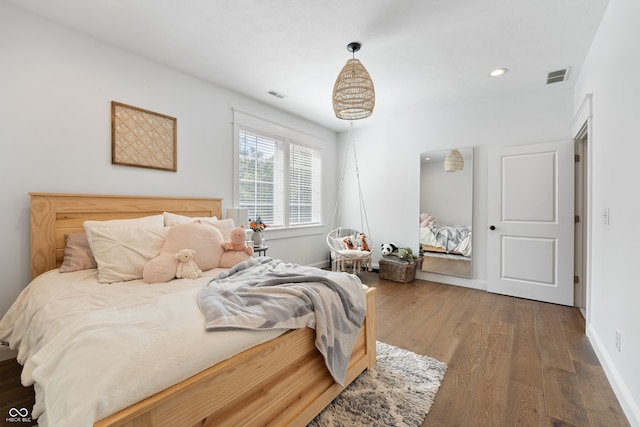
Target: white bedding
point(93, 349)
point(428, 238)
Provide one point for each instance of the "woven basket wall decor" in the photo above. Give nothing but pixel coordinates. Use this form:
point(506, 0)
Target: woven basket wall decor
point(142, 138)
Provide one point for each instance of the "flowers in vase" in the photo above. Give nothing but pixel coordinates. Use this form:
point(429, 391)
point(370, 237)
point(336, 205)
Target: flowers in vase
point(258, 225)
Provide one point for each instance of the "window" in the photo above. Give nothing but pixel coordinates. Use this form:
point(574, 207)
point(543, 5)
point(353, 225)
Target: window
point(279, 179)
point(305, 192)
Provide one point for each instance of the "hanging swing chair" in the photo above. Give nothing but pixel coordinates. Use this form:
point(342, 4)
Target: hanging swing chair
point(351, 248)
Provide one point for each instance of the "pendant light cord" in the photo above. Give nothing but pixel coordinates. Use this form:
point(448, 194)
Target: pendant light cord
point(363, 211)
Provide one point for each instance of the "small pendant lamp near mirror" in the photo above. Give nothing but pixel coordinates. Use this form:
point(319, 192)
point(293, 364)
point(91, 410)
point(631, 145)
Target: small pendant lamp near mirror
point(353, 93)
point(454, 161)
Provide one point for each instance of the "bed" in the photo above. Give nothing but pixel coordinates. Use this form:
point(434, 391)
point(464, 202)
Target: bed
point(448, 239)
point(283, 380)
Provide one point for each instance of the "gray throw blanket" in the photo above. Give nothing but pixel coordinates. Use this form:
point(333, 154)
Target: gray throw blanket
point(451, 235)
point(263, 293)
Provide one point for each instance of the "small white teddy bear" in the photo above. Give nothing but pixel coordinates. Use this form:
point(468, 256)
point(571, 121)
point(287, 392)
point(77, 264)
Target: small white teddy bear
point(187, 267)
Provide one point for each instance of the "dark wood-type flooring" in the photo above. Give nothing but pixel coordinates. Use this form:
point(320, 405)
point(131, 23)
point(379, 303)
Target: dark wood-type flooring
point(511, 362)
point(13, 394)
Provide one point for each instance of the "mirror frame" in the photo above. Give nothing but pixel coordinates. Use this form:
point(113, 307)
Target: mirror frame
point(455, 216)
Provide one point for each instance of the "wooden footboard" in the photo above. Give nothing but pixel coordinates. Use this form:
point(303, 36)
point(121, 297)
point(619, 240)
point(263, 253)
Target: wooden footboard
point(281, 382)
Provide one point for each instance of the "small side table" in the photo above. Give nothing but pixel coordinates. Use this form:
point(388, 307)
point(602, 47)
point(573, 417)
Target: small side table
point(260, 250)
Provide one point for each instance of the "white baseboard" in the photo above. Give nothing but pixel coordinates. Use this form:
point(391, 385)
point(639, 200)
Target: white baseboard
point(452, 280)
point(7, 353)
point(629, 405)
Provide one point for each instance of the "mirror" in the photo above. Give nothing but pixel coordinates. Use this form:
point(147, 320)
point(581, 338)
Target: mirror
point(446, 211)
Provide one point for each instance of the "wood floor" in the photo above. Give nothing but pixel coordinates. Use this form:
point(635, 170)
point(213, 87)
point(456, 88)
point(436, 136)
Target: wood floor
point(12, 393)
point(511, 362)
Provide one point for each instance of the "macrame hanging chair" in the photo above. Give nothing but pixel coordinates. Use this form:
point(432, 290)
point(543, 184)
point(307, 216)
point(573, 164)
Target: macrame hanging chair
point(351, 248)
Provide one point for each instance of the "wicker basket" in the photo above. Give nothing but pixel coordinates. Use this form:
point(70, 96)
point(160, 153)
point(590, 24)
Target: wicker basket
point(397, 271)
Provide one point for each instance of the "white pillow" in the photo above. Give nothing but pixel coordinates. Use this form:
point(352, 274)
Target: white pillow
point(122, 252)
point(146, 221)
point(223, 225)
point(354, 253)
point(337, 242)
point(173, 219)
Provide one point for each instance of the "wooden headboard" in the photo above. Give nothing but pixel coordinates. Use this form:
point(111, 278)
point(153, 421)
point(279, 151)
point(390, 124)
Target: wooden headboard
point(54, 215)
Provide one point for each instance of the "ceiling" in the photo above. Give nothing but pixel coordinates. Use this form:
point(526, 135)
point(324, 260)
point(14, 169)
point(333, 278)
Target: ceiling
point(421, 54)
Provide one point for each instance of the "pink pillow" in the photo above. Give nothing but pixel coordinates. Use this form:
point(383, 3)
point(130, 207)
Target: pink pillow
point(77, 253)
point(231, 258)
point(202, 238)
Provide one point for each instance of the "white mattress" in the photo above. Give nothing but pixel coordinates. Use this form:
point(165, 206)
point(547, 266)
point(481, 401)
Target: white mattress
point(93, 349)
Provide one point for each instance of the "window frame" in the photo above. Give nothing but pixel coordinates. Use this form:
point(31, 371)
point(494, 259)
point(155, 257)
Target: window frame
point(245, 122)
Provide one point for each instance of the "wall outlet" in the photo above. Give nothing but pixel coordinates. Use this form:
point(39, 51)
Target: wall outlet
point(618, 339)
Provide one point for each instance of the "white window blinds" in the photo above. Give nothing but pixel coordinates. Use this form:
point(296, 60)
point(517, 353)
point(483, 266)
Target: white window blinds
point(305, 189)
point(279, 180)
point(261, 168)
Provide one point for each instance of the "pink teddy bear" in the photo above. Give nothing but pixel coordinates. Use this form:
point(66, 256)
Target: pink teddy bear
point(237, 241)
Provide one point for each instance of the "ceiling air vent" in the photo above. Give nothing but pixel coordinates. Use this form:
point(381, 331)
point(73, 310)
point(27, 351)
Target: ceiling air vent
point(276, 94)
point(558, 76)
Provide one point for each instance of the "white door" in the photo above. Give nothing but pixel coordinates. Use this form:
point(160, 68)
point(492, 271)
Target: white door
point(530, 236)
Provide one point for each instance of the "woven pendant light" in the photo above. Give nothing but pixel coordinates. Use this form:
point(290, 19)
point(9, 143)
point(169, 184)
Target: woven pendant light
point(454, 161)
point(353, 93)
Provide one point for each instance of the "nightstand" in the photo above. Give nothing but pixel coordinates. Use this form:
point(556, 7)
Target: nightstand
point(260, 250)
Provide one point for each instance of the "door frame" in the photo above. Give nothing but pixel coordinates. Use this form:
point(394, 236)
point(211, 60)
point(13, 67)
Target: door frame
point(581, 198)
point(582, 126)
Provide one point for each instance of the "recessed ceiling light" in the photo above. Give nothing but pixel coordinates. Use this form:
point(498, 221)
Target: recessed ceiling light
point(498, 72)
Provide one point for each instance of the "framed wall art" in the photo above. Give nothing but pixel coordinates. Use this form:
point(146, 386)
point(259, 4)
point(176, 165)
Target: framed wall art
point(142, 138)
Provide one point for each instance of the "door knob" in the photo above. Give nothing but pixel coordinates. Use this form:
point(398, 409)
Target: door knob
point(493, 227)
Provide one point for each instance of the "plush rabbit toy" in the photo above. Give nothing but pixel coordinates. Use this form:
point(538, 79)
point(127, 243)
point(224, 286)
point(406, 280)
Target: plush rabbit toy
point(187, 267)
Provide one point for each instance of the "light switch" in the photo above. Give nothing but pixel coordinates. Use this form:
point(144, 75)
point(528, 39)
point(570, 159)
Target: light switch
point(605, 216)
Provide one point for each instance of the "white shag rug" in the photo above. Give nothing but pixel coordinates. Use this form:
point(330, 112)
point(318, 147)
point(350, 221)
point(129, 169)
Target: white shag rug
point(398, 391)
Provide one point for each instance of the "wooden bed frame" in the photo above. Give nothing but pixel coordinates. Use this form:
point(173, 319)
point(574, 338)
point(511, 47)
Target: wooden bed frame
point(281, 382)
point(427, 248)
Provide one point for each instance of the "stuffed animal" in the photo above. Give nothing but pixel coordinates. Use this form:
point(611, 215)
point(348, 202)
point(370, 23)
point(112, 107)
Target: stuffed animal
point(349, 242)
point(388, 248)
point(187, 267)
point(203, 239)
point(364, 245)
point(406, 254)
point(237, 241)
point(427, 220)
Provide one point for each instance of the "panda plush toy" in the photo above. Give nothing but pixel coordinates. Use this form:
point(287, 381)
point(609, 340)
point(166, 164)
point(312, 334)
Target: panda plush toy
point(388, 249)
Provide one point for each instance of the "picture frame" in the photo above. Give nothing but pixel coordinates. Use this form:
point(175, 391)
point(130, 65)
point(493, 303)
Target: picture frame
point(143, 138)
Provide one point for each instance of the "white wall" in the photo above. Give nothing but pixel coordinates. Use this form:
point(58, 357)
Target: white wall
point(447, 196)
point(389, 160)
point(56, 87)
point(610, 74)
